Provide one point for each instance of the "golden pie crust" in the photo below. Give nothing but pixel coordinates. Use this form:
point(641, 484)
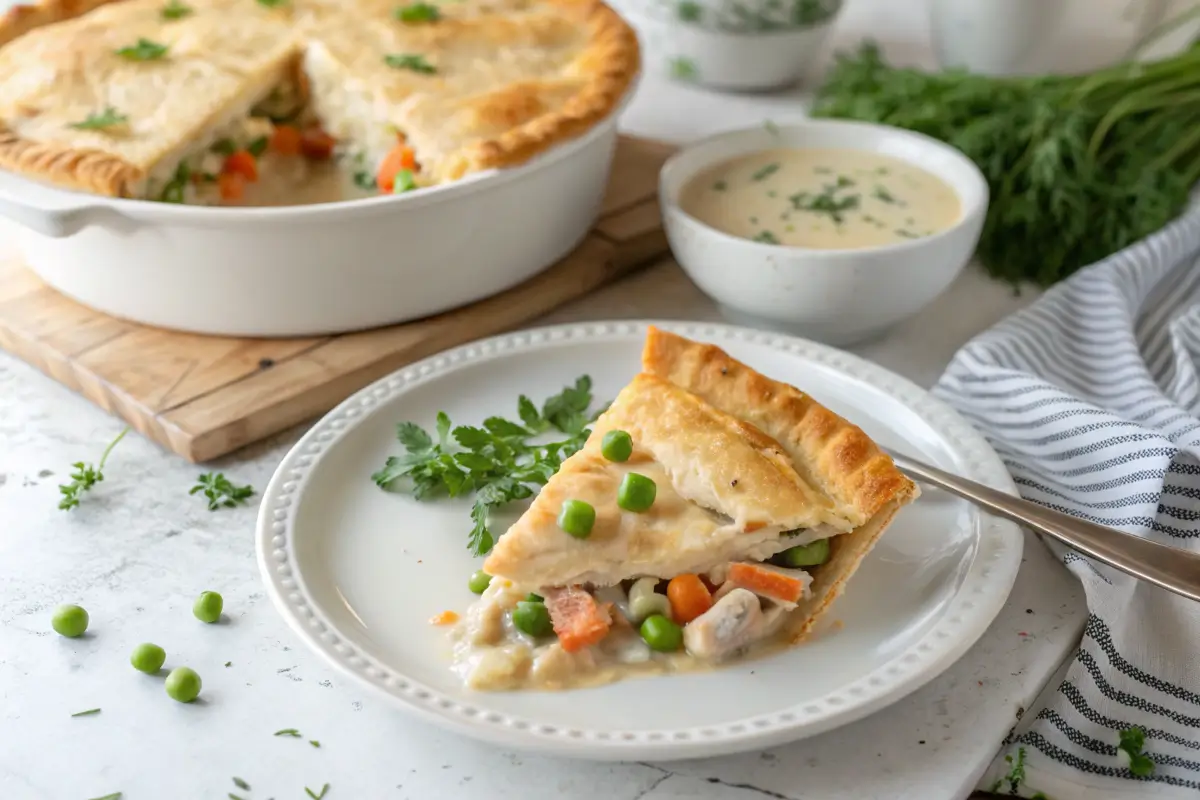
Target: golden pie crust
point(513, 78)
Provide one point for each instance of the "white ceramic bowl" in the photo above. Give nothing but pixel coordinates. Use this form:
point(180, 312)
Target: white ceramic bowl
point(317, 269)
point(835, 296)
point(726, 58)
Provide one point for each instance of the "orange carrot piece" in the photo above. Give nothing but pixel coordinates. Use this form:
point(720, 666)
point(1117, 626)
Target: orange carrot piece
point(398, 158)
point(767, 582)
point(286, 140)
point(689, 598)
point(579, 621)
point(444, 618)
point(752, 526)
point(241, 162)
point(232, 186)
point(316, 144)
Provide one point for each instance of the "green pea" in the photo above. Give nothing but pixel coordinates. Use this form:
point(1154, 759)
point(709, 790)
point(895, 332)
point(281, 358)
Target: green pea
point(534, 597)
point(532, 618)
point(616, 446)
point(207, 607)
point(70, 621)
point(577, 518)
point(661, 634)
point(804, 555)
point(479, 581)
point(183, 684)
point(147, 658)
point(636, 492)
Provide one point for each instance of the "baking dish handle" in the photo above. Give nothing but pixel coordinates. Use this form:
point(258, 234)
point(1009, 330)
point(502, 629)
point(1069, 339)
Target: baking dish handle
point(58, 222)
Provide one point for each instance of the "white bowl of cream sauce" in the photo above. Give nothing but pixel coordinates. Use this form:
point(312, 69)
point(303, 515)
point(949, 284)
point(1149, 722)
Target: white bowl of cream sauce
point(835, 231)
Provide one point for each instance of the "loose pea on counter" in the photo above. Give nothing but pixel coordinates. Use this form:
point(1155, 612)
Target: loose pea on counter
point(207, 607)
point(70, 621)
point(183, 684)
point(148, 658)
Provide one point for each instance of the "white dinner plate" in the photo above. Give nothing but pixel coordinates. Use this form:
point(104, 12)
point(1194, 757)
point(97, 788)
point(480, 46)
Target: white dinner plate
point(358, 572)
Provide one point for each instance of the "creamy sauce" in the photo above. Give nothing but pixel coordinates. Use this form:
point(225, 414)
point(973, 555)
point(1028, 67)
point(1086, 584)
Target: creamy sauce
point(830, 199)
point(295, 181)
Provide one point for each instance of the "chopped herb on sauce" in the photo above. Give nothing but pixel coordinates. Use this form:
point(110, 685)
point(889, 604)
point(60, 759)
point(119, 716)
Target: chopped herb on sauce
point(720, 186)
point(413, 62)
point(825, 203)
point(418, 12)
point(765, 172)
point(822, 170)
point(754, 220)
point(257, 147)
point(225, 147)
point(766, 237)
point(882, 170)
point(771, 127)
point(883, 194)
point(175, 10)
point(273, 3)
point(109, 118)
point(772, 193)
point(144, 50)
point(907, 234)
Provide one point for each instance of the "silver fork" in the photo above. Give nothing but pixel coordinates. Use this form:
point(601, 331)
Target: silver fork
point(1169, 567)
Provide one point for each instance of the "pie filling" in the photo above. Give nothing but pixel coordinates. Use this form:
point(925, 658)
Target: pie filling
point(583, 635)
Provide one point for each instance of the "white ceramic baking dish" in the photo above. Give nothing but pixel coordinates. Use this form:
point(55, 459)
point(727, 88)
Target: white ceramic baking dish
point(310, 270)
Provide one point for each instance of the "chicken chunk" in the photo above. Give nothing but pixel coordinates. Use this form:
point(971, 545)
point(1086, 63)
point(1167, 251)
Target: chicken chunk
point(733, 623)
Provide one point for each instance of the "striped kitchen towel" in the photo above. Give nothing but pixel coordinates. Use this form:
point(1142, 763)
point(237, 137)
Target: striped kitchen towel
point(1092, 398)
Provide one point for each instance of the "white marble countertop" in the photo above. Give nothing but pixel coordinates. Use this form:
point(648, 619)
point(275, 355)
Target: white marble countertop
point(139, 549)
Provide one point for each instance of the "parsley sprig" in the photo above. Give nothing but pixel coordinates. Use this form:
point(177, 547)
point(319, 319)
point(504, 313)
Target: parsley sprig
point(144, 50)
point(497, 461)
point(175, 10)
point(418, 12)
point(410, 61)
point(108, 118)
point(1132, 740)
point(220, 492)
point(85, 476)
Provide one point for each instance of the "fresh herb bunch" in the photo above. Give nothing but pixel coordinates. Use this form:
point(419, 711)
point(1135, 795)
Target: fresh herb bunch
point(497, 461)
point(1132, 740)
point(1079, 166)
point(85, 476)
point(220, 491)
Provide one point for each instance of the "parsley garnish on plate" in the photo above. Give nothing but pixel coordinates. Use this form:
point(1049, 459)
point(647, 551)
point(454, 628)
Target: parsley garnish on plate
point(144, 50)
point(410, 61)
point(241, 784)
point(418, 12)
point(109, 118)
point(87, 713)
point(497, 461)
point(175, 10)
point(220, 492)
point(85, 476)
point(113, 796)
point(1132, 740)
point(317, 795)
point(295, 734)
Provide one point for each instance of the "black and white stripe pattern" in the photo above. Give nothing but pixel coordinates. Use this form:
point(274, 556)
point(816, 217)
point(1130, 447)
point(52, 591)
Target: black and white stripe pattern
point(1092, 398)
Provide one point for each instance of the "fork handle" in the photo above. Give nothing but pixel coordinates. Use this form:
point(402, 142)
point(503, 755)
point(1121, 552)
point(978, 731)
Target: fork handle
point(1172, 568)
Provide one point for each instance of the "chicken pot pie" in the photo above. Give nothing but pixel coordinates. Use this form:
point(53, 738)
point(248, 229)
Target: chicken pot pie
point(195, 100)
point(711, 512)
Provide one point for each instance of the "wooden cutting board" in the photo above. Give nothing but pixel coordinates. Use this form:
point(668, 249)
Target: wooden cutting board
point(205, 396)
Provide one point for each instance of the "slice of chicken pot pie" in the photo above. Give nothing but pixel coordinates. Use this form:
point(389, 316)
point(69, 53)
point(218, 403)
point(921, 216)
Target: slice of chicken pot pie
point(699, 521)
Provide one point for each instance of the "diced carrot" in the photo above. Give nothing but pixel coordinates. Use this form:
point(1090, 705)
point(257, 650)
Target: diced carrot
point(751, 527)
point(317, 144)
point(444, 618)
point(689, 598)
point(286, 140)
point(766, 582)
point(241, 162)
point(578, 619)
point(398, 158)
point(232, 186)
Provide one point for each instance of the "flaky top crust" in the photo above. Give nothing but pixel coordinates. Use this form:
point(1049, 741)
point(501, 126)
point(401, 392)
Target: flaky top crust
point(484, 125)
point(831, 452)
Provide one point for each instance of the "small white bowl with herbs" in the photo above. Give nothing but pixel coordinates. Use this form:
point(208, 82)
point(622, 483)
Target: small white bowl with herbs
point(832, 230)
point(731, 44)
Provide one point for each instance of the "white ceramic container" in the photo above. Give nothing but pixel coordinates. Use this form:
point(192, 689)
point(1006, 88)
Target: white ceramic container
point(738, 45)
point(835, 296)
point(310, 270)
